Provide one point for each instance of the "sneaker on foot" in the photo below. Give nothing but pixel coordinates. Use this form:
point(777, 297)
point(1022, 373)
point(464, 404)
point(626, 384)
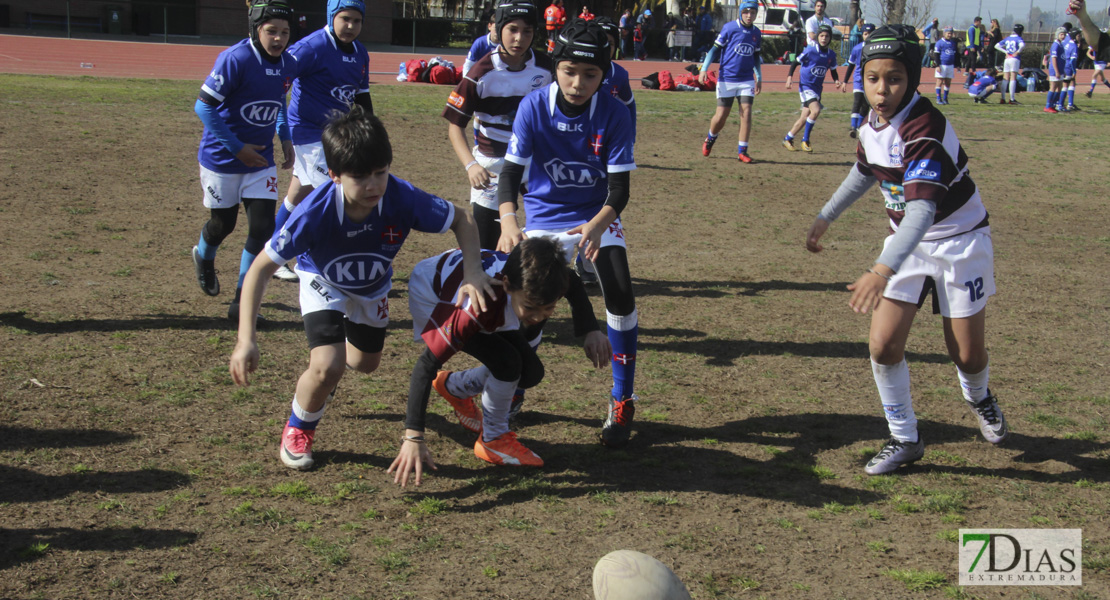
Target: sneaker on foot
point(893, 455)
point(789, 145)
point(1049, 109)
point(516, 406)
point(506, 450)
point(284, 273)
point(206, 274)
point(296, 448)
point(991, 422)
point(744, 158)
point(1014, 102)
point(806, 147)
point(707, 145)
point(465, 409)
point(1089, 93)
point(617, 429)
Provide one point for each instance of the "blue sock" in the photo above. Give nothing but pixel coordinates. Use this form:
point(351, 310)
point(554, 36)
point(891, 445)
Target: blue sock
point(304, 420)
point(206, 252)
point(710, 136)
point(1106, 83)
point(946, 94)
point(623, 332)
point(1071, 96)
point(283, 212)
point(244, 265)
point(742, 148)
point(1050, 100)
point(789, 136)
point(808, 130)
point(1093, 85)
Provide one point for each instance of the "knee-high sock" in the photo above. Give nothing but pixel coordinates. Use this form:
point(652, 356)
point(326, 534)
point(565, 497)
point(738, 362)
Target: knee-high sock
point(808, 129)
point(623, 333)
point(974, 385)
point(893, 382)
point(497, 397)
point(302, 419)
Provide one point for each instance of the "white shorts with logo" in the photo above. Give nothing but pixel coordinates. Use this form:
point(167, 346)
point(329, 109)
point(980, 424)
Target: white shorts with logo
point(1100, 66)
point(225, 190)
point(309, 166)
point(487, 198)
point(734, 89)
point(807, 95)
point(318, 294)
point(945, 71)
point(962, 267)
point(613, 236)
point(1011, 65)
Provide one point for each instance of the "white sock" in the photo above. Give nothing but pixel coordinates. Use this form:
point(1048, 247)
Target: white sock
point(304, 415)
point(496, 400)
point(974, 385)
point(470, 382)
point(893, 382)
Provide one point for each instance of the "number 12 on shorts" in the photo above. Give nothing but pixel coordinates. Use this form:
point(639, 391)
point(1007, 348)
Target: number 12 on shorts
point(975, 288)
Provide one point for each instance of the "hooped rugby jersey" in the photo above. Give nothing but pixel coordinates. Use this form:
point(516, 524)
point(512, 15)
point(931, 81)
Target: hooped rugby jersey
point(490, 94)
point(450, 327)
point(357, 257)
point(1012, 44)
point(248, 91)
point(947, 51)
point(814, 63)
point(481, 47)
point(616, 84)
point(740, 48)
point(857, 69)
point(570, 157)
point(329, 78)
point(917, 156)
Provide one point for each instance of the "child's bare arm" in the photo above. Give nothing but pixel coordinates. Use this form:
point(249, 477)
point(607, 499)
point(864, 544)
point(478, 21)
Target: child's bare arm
point(476, 174)
point(476, 284)
point(244, 359)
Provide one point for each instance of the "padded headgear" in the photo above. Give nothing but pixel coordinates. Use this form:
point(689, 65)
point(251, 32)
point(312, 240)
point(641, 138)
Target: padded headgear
point(583, 41)
point(898, 42)
point(749, 4)
point(867, 28)
point(1019, 28)
point(825, 29)
point(337, 6)
point(511, 10)
point(609, 26)
point(262, 11)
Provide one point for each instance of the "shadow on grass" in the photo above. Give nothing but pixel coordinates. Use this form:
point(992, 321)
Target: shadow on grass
point(20, 320)
point(721, 289)
point(27, 545)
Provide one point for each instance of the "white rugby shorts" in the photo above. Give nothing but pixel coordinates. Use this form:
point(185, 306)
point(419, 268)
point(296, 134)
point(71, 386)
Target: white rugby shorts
point(962, 268)
point(1011, 65)
point(735, 89)
point(807, 95)
point(1100, 66)
point(613, 236)
point(318, 294)
point(309, 166)
point(225, 190)
point(945, 71)
point(487, 198)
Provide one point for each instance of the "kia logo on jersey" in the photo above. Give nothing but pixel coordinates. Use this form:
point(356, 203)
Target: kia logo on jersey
point(262, 113)
point(344, 94)
point(356, 270)
point(572, 174)
point(745, 49)
point(818, 71)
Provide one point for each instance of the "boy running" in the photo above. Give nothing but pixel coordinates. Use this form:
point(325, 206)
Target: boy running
point(345, 236)
point(941, 243)
point(1011, 46)
point(333, 73)
point(240, 103)
point(739, 45)
point(581, 142)
point(859, 99)
point(945, 53)
point(815, 61)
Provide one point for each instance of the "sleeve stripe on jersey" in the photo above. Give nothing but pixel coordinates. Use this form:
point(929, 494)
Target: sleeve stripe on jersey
point(450, 217)
point(211, 92)
point(620, 168)
point(467, 115)
point(518, 160)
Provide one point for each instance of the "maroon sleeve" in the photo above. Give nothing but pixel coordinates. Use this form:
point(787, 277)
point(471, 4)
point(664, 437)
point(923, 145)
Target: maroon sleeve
point(449, 326)
point(861, 162)
point(461, 102)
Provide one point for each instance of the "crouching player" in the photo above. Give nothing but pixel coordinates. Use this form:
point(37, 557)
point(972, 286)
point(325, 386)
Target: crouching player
point(345, 235)
point(941, 242)
point(534, 276)
point(983, 86)
point(815, 61)
point(240, 103)
point(583, 141)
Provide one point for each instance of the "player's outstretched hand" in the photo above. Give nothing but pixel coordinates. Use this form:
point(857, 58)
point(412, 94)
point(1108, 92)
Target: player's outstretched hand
point(476, 287)
point(591, 239)
point(479, 177)
point(511, 235)
point(788, 82)
point(818, 229)
point(867, 291)
point(288, 154)
point(244, 361)
point(250, 156)
point(410, 459)
point(597, 348)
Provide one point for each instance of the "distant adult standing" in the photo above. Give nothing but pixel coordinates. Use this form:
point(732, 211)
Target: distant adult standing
point(816, 21)
point(554, 19)
point(586, 15)
point(796, 33)
point(932, 36)
point(626, 32)
point(705, 27)
point(994, 35)
point(974, 47)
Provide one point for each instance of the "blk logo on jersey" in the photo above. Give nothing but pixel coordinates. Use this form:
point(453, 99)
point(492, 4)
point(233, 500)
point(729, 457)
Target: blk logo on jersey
point(353, 271)
point(571, 127)
point(924, 170)
point(344, 94)
point(274, 72)
point(572, 174)
point(262, 113)
point(537, 82)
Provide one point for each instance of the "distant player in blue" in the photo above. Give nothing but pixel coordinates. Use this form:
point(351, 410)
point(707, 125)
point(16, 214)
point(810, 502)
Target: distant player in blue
point(579, 143)
point(1071, 65)
point(739, 45)
point(1011, 46)
point(945, 53)
point(240, 104)
point(483, 45)
point(345, 236)
point(333, 73)
point(816, 60)
point(1056, 72)
point(983, 86)
point(859, 99)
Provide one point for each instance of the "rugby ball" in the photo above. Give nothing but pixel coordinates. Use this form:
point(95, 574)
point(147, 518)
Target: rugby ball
point(631, 575)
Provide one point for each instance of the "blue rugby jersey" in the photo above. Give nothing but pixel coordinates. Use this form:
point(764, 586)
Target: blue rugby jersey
point(982, 82)
point(616, 83)
point(1055, 56)
point(857, 72)
point(248, 91)
point(357, 257)
point(740, 47)
point(1071, 56)
point(328, 79)
point(1012, 44)
point(481, 47)
point(570, 157)
point(947, 51)
point(814, 63)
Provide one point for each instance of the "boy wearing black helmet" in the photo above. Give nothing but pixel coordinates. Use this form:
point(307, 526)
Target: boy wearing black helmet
point(1011, 46)
point(580, 145)
point(941, 242)
point(815, 61)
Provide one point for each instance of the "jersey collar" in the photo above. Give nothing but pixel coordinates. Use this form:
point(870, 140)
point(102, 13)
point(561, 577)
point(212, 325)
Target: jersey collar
point(340, 204)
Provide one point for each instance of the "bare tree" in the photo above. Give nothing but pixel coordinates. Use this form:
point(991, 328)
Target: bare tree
point(910, 12)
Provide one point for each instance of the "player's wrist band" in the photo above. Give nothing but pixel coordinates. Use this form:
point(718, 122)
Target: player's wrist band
point(419, 439)
point(470, 164)
point(886, 277)
point(513, 215)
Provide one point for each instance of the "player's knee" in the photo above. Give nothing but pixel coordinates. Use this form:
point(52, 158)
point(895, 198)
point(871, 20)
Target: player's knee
point(364, 363)
point(885, 351)
point(970, 360)
point(327, 372)
point(508, 367)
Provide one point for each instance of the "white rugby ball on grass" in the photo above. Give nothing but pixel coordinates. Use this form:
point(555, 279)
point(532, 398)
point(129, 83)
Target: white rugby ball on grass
point(631, 575)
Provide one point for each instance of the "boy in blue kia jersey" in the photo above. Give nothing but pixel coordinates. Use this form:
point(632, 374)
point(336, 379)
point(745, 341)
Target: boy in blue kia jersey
point(345, 236)
point(240, 103)
point(333, 73)
point(859, 99)
point(739, 45)
point(579, 143)
point(944, 53)
point(1056, 73)
point(1071, 65)
point(816, 60)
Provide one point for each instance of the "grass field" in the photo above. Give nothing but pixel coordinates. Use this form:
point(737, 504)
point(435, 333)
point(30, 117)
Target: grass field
point(132, 467)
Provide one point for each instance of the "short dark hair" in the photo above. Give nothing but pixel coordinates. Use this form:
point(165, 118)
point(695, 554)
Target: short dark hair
point(538, 268)
point(356, 143)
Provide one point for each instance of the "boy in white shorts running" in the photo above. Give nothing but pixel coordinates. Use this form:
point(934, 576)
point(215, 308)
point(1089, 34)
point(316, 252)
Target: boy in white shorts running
point(1011, 46)
point(941, 243)
point(739, 45)
point(1099, 74)
point(815, 62)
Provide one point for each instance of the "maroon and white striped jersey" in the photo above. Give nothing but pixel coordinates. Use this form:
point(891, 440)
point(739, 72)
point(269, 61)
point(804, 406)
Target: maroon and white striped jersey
point(917, 156)
point(490, 93)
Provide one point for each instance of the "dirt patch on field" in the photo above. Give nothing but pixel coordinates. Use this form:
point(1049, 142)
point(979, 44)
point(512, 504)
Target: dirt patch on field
point(132, 467)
